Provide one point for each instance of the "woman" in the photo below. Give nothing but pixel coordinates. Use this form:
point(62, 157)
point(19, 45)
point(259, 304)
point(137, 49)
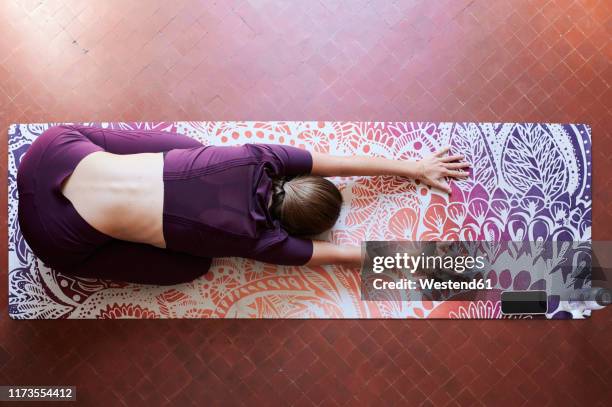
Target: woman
point(153, 207)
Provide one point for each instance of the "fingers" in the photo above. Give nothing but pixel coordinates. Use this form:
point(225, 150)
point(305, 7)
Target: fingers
point(442, 185)
point(442, 151)
point(458, 174)
point(452, 158)
point(447, 159)
point(455, 166)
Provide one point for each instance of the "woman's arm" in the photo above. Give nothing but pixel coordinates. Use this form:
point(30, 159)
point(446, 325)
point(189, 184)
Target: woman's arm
point(329, 253)
point(430, 170)
point(123, 141)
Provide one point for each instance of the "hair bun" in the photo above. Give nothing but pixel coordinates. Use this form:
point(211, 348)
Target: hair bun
point(278, 196)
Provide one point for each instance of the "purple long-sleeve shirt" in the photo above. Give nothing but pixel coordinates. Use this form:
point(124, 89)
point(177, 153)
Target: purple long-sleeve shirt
point(216, 201)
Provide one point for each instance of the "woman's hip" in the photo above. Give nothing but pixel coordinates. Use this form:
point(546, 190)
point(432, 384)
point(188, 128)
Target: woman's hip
point(53, 229)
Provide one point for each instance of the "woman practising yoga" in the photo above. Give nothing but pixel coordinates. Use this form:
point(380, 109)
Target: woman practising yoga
point(153, 207)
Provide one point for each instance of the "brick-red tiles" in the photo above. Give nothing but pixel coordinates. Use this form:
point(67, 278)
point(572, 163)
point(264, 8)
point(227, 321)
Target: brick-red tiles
point(450, 60)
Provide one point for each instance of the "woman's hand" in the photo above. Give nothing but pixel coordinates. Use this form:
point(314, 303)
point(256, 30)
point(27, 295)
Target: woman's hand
point(433, 169)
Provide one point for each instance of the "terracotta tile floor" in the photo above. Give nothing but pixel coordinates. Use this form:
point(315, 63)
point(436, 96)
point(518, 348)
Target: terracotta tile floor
point(453, 60)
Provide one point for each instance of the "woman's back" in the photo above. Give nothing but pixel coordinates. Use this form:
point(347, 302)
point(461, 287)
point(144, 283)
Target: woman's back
point(120, 195)
point(209, 201)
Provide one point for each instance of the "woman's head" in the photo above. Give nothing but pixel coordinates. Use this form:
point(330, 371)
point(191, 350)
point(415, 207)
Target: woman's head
point(306, 205)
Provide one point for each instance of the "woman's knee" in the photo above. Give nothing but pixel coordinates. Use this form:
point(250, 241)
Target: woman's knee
point(189, 272)
point(182, 278)
point(182, 271)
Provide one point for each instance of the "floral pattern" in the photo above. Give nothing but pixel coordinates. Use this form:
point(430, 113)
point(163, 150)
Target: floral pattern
point(528, 182)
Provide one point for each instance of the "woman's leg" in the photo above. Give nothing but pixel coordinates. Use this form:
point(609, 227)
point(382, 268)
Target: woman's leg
point(136, 141)
point(140, 263)
point(66, 241)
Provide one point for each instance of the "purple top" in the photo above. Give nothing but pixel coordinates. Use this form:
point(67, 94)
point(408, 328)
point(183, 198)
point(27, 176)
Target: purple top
point(216, 202)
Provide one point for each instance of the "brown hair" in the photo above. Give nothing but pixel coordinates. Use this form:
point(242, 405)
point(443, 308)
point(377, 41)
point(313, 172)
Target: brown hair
point(305, 205)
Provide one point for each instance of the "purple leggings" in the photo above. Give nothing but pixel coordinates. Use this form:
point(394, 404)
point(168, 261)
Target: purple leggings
point(62, 239)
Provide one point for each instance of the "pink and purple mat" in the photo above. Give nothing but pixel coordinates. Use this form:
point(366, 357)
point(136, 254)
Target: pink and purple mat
point(529, 182)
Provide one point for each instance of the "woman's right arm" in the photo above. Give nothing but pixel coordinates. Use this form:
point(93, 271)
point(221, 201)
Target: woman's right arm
point(328, 253)
point(431, 170)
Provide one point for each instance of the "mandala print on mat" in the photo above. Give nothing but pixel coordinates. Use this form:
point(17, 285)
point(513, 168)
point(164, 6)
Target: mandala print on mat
point(528, 182)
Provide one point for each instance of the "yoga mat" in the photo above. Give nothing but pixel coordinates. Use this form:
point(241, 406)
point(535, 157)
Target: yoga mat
point(529, 181)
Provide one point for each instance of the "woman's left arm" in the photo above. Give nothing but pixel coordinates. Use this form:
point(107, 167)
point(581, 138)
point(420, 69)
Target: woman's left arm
point(329, 253)
point(431, 170)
